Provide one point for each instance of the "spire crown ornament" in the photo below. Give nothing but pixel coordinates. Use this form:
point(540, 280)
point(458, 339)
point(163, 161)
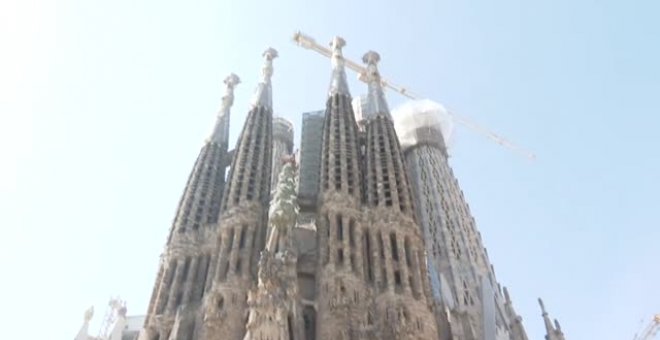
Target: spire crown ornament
point(263, 94)
point(220, 133)
point(376, 104)
point(228, 99)
point(338, 84)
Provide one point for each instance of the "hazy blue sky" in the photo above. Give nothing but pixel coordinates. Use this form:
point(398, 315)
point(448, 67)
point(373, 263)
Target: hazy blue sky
point(104, 105)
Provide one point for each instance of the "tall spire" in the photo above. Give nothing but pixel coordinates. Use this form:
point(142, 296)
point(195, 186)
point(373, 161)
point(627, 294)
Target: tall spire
point(243, 218)
point(516, 327)
point(553, 332)
point(401, 281)
point(546, 319)
point(189, 245)
point(376, 104)
point(387, 183)
point(246, 181)
point(220, 133)
point(263, 95)
point(338, 84)
point(340, 170)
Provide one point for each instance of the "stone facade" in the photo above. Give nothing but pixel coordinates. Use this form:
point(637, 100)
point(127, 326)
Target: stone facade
point(338, 250)
point(182, 276)
point(242, 224)
point(282, 146)
point(462, 274)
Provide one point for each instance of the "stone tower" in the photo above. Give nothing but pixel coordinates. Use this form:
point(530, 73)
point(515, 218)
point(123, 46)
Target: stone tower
point(370, 239)
point(396, 263)
point(243, 216)
point(343, 298)
point(180, 281)
point(464, 280)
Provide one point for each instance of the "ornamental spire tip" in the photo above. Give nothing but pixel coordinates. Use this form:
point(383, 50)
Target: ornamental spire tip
point(337, 43)
point(542, 306)
point(376, 99)
point(220, 132)
point(338, 84)
point(263, 96)
point(267, 71)
point(371, 58)
point(228, 99)
point(231, 81)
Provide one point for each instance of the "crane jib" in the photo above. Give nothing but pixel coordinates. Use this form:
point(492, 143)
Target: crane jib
point(309, 43)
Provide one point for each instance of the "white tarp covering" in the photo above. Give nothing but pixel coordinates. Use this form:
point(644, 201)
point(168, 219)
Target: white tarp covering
point(415, 114)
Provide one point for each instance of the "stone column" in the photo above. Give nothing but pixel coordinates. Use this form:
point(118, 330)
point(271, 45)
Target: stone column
point(403, 264)
point(190, 280)
point(176, 286)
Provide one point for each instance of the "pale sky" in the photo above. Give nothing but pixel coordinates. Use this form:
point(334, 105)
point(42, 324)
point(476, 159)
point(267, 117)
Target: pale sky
point(105, 104)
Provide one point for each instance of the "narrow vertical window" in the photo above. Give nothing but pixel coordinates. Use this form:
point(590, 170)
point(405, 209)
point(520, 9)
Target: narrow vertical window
point(383, 265)
point(290, 325)
point(395, 249)
point(367, 256)
point(230, 240)
point(351, 232)
point(406, 247)
point(186, 270)
point(204, 275)
point(241, 242)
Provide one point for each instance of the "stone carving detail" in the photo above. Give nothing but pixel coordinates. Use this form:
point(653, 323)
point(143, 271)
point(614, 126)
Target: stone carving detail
point(354, 263)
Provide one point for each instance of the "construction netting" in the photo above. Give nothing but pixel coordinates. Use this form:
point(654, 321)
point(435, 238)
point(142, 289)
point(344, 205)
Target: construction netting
point(416, 115)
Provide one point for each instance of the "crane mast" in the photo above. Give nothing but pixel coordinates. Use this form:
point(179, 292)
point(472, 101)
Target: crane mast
point(309, 43)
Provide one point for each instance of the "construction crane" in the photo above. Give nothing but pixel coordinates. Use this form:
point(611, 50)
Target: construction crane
point(309, 43)
point(650, 330)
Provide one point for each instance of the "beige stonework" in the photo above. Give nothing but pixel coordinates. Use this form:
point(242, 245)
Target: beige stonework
point(356, 260)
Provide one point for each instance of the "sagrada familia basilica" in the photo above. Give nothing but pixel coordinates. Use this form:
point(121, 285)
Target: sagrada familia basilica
point(362, 234)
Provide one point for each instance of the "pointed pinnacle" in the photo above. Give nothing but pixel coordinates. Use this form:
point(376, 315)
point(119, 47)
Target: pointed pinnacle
point(89, 313)
point(542, 306)
point(507, 298)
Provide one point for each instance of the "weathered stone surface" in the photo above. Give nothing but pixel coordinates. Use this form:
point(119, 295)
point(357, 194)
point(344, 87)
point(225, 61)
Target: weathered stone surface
point(364, 257)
